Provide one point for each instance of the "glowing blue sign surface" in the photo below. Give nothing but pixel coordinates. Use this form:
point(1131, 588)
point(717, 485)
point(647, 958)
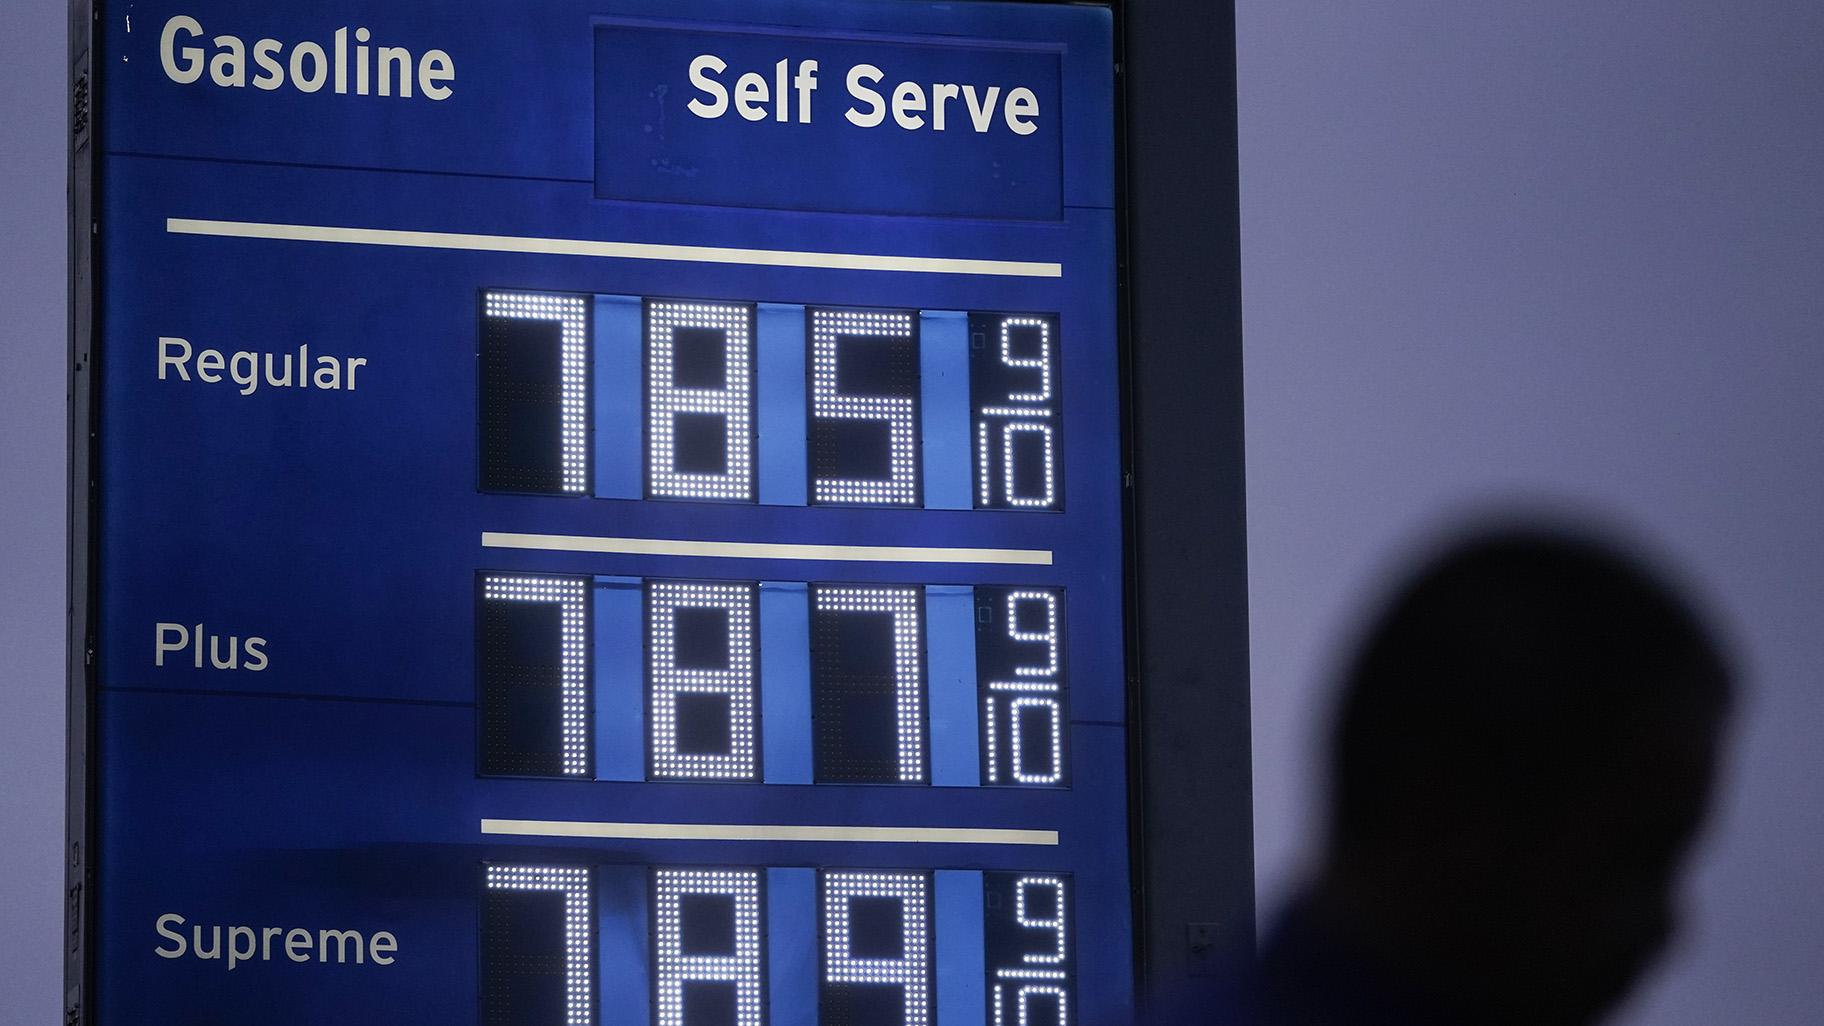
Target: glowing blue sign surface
point(611, 513)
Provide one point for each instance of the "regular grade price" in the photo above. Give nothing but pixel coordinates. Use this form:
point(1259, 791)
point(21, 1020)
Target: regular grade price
point(641, 398)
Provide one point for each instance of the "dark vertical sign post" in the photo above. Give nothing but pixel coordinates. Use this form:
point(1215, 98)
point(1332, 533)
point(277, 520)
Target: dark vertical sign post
point(691, 514)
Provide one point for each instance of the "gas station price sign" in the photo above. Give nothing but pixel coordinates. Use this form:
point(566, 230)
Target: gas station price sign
point(608, 512)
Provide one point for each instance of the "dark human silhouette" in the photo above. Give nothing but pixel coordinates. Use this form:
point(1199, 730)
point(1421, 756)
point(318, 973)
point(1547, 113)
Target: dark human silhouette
point(1522, 758)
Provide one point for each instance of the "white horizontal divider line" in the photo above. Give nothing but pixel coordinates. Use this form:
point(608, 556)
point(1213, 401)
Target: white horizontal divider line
point(614, 250)
point(763, 550)
point(764, 832)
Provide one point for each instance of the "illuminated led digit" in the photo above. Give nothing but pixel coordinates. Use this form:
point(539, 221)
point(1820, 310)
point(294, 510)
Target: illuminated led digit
point(701, 692)
point(877, 952)
point(1048, 635)
point(885, 395)
point(984, 465)
point(1015, 388)
point(852, 679)
point(1053, 922)
point(707, 933)
point(1030, 984)
point(1030, 967)
point(1054, 771)
point(1022, 718)
point(1040, 363)
point(516, 391)
point(504, 670)
point(699, 401)
point(512, 961)
point(1048, 495)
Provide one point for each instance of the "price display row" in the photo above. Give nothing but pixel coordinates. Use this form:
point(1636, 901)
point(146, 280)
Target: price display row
point(616, 678)
point(741, 946)
point(637, 398)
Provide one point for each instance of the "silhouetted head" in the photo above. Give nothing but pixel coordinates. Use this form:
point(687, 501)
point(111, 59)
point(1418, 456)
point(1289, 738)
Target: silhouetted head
point(1522, 759)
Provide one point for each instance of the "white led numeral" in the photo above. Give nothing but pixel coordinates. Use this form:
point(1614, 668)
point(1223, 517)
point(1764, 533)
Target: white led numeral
point(571, 597)
point(571, 313)
point(911, 971)
point(579, 958)
point(1034, 701)
point(675, 967)
point(734, 681)
point(1048, 708)
point(908, 668)
point(732, 404)
point(900, 487)
point(1040, 363)
point(1054, 923)
point(1010, 434)
point(1021, 429)
point(1030, 985)
point(1037, 689)
point(1048, 636)
point(1040, 976)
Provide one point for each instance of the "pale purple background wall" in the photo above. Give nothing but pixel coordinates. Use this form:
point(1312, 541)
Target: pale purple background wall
point(1552, 248)
point(32, 448)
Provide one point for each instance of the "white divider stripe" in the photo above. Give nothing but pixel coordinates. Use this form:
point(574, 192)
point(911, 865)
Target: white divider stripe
point(614, 250)
point(762, 550)
point(765, 832)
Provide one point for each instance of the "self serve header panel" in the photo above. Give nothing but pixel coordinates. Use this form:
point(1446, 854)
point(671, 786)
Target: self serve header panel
point(608, 513)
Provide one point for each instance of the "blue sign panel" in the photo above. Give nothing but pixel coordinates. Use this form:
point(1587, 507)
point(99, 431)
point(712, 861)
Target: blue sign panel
point(610, 512)
point(689, 115)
